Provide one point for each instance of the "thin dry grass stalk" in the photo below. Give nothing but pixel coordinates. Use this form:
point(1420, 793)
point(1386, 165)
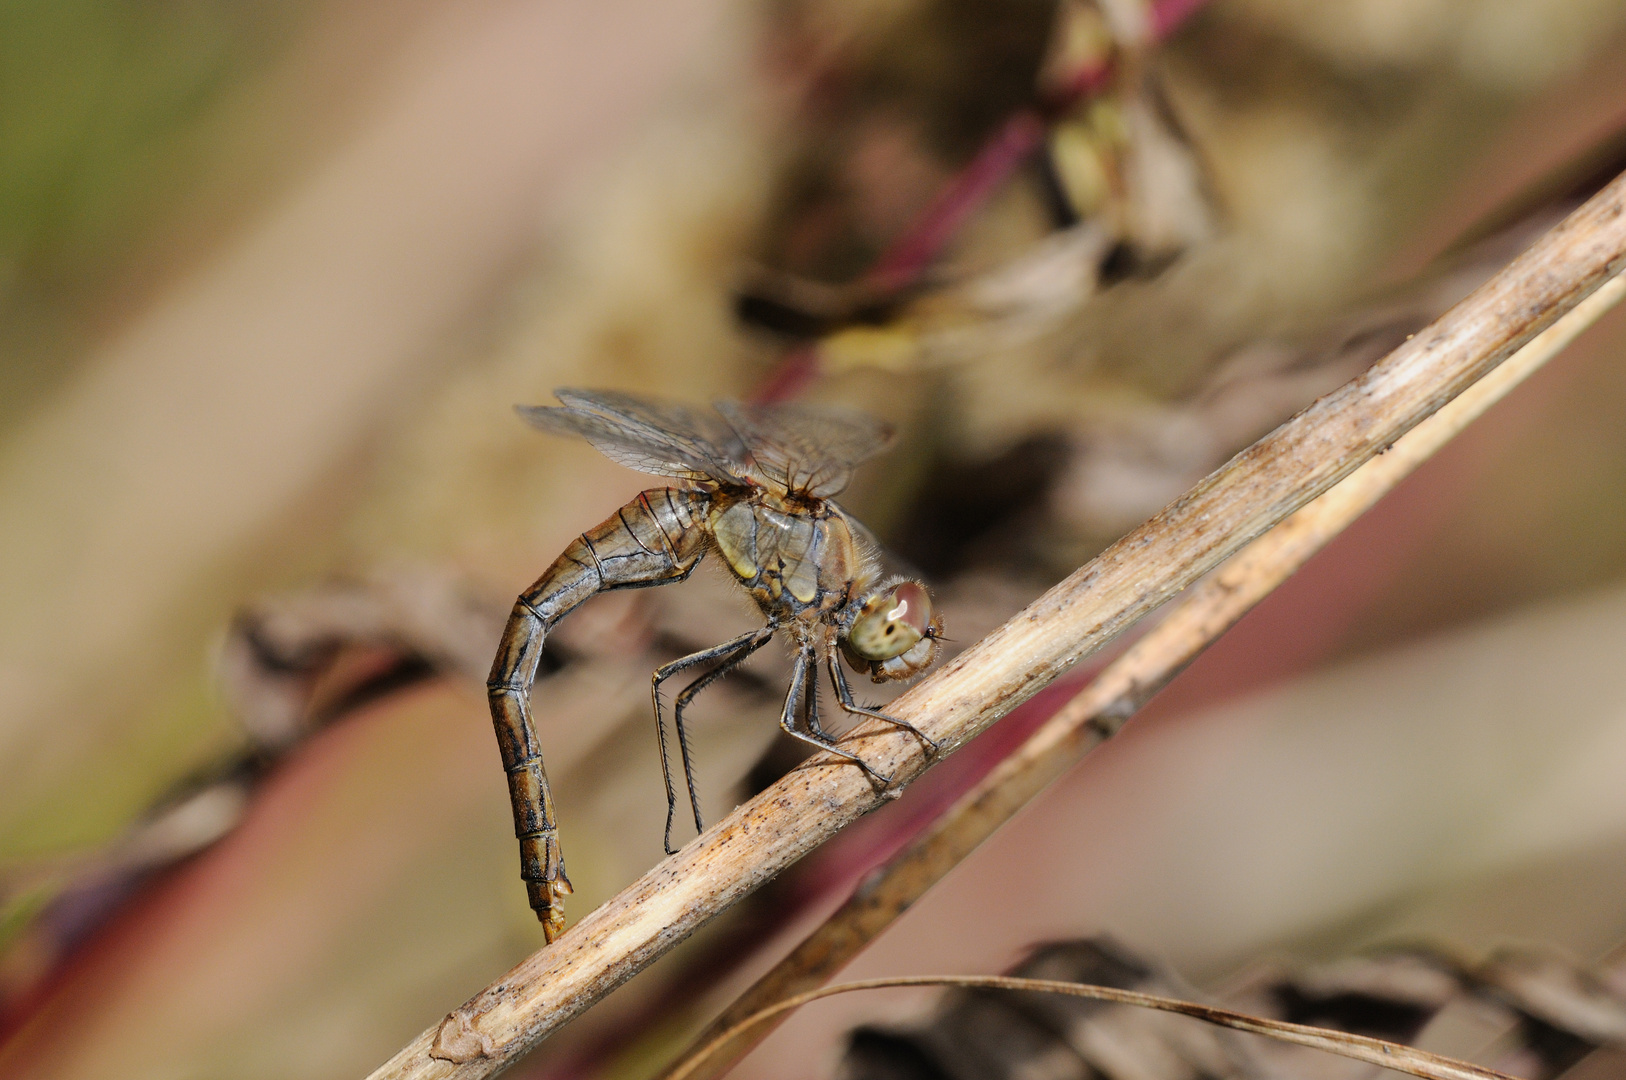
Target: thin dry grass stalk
point(1389, 1055)
point(1238, 502)
point(1098, 711)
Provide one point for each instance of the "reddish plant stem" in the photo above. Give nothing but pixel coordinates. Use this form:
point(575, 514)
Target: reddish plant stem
point(994, 164)
point(1167, 16)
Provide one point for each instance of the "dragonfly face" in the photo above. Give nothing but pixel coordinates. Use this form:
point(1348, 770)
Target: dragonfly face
point(758, 483)
point(895, 633)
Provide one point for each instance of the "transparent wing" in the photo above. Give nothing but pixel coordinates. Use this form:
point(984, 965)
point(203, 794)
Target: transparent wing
point(659, 437)
point(807, 449)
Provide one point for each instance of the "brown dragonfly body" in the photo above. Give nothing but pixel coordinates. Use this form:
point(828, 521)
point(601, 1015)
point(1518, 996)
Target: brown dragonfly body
point(757, 491)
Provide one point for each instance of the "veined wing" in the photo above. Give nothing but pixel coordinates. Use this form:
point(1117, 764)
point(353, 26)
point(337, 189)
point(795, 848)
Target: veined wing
point(659, 437)
point(806, 449)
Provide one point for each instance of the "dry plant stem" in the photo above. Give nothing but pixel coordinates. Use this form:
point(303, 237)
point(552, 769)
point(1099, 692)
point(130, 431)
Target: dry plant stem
point(1097, 712)
point(1389, 1055)
point(1248, 495)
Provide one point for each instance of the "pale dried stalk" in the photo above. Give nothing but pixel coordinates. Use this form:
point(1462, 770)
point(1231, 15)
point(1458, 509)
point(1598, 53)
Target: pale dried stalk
point(1390, 1055)
point(1239, 501)
point(1097, 712)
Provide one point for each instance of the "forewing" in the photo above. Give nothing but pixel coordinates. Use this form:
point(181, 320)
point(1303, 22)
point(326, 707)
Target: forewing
point(806, 449)
point(659, 437)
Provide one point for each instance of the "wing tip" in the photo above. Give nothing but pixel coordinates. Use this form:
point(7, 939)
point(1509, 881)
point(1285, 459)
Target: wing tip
point(543, 418)
point(573, 399)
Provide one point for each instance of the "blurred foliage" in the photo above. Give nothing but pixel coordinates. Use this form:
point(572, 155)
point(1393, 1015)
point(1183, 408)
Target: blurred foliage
point(1336, 143)
point(111, 112)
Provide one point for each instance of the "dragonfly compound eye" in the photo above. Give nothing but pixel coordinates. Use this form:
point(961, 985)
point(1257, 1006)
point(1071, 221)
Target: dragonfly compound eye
point(891, 623)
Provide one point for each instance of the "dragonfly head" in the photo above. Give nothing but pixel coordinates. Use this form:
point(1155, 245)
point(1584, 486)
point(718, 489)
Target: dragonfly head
point(895, 633)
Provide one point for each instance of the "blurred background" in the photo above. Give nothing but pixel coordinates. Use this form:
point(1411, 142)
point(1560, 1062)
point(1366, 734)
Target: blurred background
point(274, 273)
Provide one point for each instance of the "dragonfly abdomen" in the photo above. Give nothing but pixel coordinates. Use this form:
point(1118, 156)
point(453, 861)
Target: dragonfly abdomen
point(655, 538)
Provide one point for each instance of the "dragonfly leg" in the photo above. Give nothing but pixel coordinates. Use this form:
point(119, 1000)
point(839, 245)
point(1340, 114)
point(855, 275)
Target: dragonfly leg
point(733, 654)
point(804, 688)
point(810, 707)
point(844, 697)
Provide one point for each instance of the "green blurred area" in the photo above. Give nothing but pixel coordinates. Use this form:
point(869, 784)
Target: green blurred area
point(113, 117)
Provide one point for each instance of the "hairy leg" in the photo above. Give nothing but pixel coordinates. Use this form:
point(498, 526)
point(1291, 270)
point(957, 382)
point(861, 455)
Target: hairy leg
point(804, 685)
point(743, 647)
point(844, 697)
point(731, 652)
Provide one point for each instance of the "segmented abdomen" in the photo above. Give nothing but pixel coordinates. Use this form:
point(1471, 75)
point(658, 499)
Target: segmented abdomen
point(653, 539)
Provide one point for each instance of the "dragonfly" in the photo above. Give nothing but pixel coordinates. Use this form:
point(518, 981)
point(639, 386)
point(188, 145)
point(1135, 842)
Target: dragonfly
point(757, 488)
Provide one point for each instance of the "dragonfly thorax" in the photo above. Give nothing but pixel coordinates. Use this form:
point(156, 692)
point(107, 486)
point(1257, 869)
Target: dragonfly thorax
point(792, 560)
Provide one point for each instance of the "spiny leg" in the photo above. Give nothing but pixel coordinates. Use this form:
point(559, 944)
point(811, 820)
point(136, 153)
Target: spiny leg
point(810, 708)
point(844, 697)
point(733, 653)
point(662, 673)
point(687, 695)
point(804, 686)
